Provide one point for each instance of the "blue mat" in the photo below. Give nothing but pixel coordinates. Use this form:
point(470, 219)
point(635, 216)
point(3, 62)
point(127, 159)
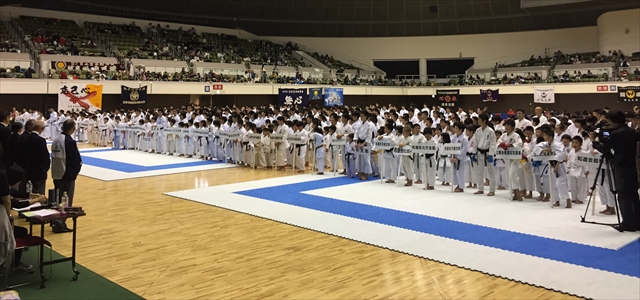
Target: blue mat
point(132, 168)
point(625, 260)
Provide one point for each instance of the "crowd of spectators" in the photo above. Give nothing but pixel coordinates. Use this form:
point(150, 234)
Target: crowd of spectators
point(55, 36)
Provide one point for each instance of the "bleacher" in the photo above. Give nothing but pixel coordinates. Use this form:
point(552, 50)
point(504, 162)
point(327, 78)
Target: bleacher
point(583, 72)
point(126, 40)
point(56, 36)
point(7, 44)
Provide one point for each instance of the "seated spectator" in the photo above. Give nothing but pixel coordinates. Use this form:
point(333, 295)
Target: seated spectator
point(15, 175)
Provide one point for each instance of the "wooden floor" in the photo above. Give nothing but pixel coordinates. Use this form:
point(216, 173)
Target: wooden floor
point(161, 247)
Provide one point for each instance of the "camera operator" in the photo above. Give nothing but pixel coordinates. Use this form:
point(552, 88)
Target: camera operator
point(620, 150)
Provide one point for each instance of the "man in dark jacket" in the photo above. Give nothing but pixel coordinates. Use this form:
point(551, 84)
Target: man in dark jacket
point(65, 167)
point(37, 159)
point(5, 132)
point(12, 142)
point(21, 147)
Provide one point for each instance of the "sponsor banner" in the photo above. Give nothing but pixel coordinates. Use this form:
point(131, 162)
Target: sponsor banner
point(292, 97)
point(79, 96)
point(135, 96)
point(629, 93)
point(333, 97)
point(544, 95)
point(489, 95)
point(448, 97)
point(602, 88)
point(59, 65)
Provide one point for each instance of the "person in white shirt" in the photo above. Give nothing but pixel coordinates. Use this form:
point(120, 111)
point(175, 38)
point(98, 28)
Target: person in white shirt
point(417, 138)
point(319, 149)
point(540, 116)
point(461, 114)
point(522, 122)
point(405, 141)
point(485, 145)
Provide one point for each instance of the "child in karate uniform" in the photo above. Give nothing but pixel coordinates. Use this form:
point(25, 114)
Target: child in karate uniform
point(171, 138)
point(538, 170)
point(577, 174)
point(417, 138)
point(430, 161)
point(390, 166)
point(350, 156)
point(407, 166)
point(319, 149)
point(501, 168)
point(459, 161)
point(558, 170)
point(472, 163)
point(444, 165)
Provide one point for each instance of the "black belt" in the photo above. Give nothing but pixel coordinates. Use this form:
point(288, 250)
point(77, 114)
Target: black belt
point(484, 153)
point(445, 162)
point(361, 141)
point(469, 154)
point(318, 147)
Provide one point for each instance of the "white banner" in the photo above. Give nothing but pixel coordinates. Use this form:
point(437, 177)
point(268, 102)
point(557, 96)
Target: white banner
point(424, 148)
point(79, 96)
point(254, 137)
point(451, 149)
point(339, 142)
point(384, 144)
point(544, 95)
point(587, 160)
point(543, 156)
point(510, 153)
point(406, 150)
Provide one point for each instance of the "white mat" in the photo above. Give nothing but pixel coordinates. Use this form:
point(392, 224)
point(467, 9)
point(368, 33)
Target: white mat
point(530, 217)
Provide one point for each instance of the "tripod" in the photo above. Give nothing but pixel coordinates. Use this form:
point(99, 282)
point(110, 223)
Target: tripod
point(609, 176)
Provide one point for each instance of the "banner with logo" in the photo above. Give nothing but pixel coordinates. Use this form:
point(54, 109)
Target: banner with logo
point(544, 95)
point(448, 97)
point(297, 97)
point(333, 97)
point(489, 95)
point(135, 96)
point(629, 93)
point(59, 65)
point(79, 96)
point(315, 94)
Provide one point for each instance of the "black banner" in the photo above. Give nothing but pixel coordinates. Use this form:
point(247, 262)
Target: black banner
point(134, 96)
point(293, 97)
point(316, 94)
point(448, 97)
point(629, 93)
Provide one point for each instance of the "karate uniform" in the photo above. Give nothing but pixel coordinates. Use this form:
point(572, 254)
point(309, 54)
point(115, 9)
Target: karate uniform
point(282, 148)
point(559, 184)
point(418, 160)
point(364, 135)
point(390, 168)
point(430, 165)
point(485, 147)
point(350, 159)
point(318, 146)
point(577, 177)
point(444, 165)
point(406, 161)
point(513, 165)
point(460, 165)
point(161, 137)
point(540, 169)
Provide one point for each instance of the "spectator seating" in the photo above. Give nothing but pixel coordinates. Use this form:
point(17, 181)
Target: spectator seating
point(125, 40)
point(583, 72)
point(332, 63)
point(16, 65)
point(55, 36)
point(7, 44)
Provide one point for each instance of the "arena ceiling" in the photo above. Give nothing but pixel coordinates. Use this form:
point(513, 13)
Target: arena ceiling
point(356, 18)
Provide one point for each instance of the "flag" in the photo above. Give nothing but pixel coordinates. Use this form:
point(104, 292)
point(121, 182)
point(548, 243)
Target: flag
point(544, 95)
point(133, 95)
point(80, 96)
point(315, 94)
point(489, 95)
